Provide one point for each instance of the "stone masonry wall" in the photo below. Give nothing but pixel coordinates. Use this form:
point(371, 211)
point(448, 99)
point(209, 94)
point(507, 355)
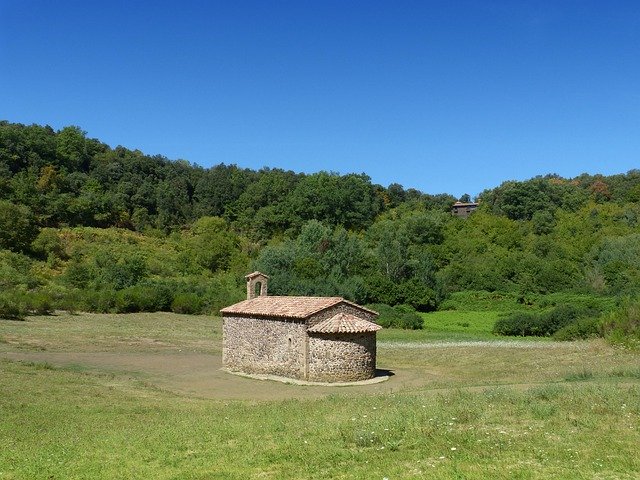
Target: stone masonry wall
point(264, 346)
point(342, 357)
point(275, 346)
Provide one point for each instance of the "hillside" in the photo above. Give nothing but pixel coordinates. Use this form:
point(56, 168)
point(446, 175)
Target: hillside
point(87, 226)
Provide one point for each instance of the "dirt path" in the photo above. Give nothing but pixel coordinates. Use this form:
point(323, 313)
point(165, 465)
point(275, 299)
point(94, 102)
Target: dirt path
point(200, 375)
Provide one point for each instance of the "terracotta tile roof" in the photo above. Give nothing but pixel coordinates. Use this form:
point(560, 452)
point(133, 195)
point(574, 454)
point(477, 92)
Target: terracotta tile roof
point(287, 307)
point(344, 323)
point(255, 274)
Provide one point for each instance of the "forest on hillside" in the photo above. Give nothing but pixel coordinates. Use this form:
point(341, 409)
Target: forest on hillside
point(84, 226)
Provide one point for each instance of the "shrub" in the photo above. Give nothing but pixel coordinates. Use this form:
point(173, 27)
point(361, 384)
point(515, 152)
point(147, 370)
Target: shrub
point(560, 317)
point(78, 274)
point(16, 271)
point(518, 324)
point(70, 301)
point(587, 327)
point(99, 301)
point(18, 227)
point(188, 303)
point(479, 300)
point(622, 326)
point(38, 303)
point(126, 301)
point(48, 244)
point(400, 316)
point(543, 324)
point(11, 308)
point(155, 296)
point(143, 298)
point(591, 302)
point(419, 296)
point(124, 273)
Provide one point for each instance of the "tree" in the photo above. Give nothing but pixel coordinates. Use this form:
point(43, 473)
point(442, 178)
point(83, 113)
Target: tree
point(211, 245)
point(349, 200)
point(71, 148)
point(17, 227)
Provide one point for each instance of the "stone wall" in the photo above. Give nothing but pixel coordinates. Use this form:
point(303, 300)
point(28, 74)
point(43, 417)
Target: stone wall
point(264, 345)
point(275, 346)
point(342, 357)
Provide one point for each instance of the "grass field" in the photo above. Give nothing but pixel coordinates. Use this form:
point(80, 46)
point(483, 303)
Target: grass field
point(141, 396)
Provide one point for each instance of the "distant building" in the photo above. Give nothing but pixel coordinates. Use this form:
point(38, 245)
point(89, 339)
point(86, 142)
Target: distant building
point(321, 339)
point(463, 209)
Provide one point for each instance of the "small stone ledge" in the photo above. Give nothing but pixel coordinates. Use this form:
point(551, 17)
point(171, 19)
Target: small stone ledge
point(295, 381)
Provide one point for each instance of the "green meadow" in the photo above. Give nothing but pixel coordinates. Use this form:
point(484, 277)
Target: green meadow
point(141, 396)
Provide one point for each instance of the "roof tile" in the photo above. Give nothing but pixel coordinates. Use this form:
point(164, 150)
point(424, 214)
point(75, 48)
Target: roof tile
point(345, 323)
point(288, 307)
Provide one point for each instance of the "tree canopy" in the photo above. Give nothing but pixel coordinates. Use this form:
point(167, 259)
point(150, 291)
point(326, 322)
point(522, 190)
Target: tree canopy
point(174, 228)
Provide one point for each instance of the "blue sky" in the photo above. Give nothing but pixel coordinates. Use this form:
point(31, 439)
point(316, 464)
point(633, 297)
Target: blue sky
point(440, 96)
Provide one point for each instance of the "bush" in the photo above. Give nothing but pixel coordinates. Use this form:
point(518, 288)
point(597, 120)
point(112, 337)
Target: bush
point(143, 298)
point(16, 272)
point(591, 302)
point(588, 327)
point(38, 303)
point(99, 301)
point(542, 324)
point(188, 303)
point(11, 308)
point(18, 227)
point(124, 273)
point(622, 326)
point(479, 300)
point(518, 324)
point(70, 301)
point(78, 274)
point(560, 317)
point(419, 296)
point(400, 316)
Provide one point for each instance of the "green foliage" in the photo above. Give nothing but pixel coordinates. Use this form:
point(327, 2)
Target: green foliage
point(11, 308)
point(480, 300)
point(399, 316)
point(121, 273)
point(189, 303)
point(519, 324)
point(36, 302)
point(319, 261)
point(143, 298)
point(16, 272)
point(93, 227)
point(348, 200)
point(99, 301)
point(48, 244)
point(579, 300)
point(582, 328)
point(617, 261)
point(78, 273)
point(545, 323)
point(211, 247)
point(17, 227)
point(524, 200)
point(622, 326)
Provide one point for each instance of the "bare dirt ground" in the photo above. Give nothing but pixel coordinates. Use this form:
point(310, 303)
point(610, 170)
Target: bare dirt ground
point(200, 375)
point(182, 355)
